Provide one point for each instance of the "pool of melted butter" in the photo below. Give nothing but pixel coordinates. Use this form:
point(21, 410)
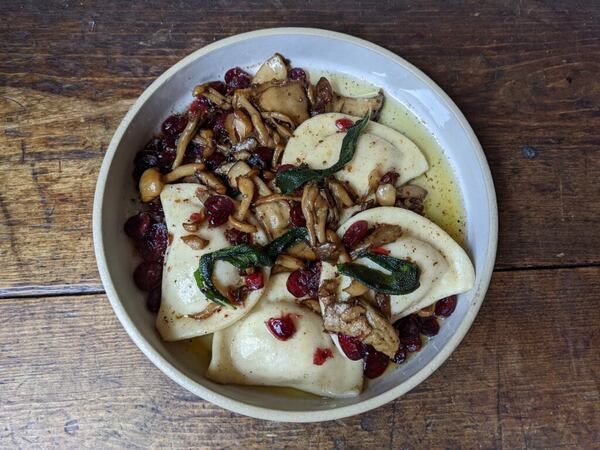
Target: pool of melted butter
point(443, 204)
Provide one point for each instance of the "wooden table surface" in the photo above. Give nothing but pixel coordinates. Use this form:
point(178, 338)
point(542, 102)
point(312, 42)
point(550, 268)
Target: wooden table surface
point(525, 74)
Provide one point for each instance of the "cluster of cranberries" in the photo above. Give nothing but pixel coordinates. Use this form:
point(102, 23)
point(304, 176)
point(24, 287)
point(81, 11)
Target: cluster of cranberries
point(304, 282)
point(149, 234)
point(410, 329)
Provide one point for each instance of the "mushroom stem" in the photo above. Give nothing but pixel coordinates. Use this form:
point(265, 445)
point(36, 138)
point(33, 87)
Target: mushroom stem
point(241, 101)
point(212, 181)
point(242, 226)
point(246, 187)
point(152, 181)
point(182, 171)
point(185, 138)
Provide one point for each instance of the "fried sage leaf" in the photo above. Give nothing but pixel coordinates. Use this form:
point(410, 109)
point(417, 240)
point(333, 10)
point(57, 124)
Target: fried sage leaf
point(290, 180)
point(242, 256)
point(402, 279)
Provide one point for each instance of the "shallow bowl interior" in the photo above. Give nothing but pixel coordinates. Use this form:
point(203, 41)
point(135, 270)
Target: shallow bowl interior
point(309, 49)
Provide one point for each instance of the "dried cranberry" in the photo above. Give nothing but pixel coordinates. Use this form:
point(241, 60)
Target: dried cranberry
point(353, 348)
point(200, 105)
point(297, 74)
point(155, 210)
point(356, 233)
point(305, 281)
point(412, 344)
point(296, 215)
point(237, 237)
point(166, 158)
point(375, 363)
point(193, 153)
point(214, 160)
point(218, 209)
point(261, 157)
point(147, 275)
point(282, 327)
point(152, 247)
point(446, 306)
point(137, 226)
point(389, 177)
point(174, 125)
point(153, 300)
point(380, 250)
point(254, 281)
point(236, 78)
point(429, 326)
point(143, 161)
point(284, 167)
point(407, 327)
point(218, 123)
point(218, 86)
point(321, 355)
point(343, 124)
point(400, 355)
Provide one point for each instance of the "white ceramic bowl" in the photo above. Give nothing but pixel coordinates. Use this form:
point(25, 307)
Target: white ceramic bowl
point(308, 48)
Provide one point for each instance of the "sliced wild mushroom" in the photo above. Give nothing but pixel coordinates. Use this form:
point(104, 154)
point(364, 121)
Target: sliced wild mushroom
point(289, 262)
point(382, 301)
point(242, 226)
point(357, 318)
point(238, 169)
point(212, 181)
point(411, 196)
point(246, 145)
point(194, 242)
point(246, 188)
point(343, 256)
point(274, 68)
point(210, 309)
point(276, 198)
point(217, 98)
point(278, 117)
point(205, 138)
point(324, 97)
point(287, 97)
point(381, 235)
point(427, 311)
point(340, 194)
point(152, 181)
point(360, 106)
point(279, 148)
point(242, 125)
point(315, 209)
point(262, 134)
point(356, 289)
point(185, 138)
point(274, 216)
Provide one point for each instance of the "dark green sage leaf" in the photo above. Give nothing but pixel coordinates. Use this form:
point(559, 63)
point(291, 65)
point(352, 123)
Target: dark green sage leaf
point(242, 256)
point(289, 180)
point(403, 279)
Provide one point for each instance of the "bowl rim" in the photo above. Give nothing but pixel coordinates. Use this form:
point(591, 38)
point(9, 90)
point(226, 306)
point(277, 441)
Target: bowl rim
point(272, 413)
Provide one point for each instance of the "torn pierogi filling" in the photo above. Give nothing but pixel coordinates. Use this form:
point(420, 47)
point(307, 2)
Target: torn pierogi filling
point(282, 219)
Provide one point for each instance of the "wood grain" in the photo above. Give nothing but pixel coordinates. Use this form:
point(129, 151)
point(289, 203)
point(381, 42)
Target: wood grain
point(526, 376)
point(523, 73)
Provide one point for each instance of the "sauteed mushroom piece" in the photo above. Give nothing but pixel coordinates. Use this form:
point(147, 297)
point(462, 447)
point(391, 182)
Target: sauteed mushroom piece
point(240, 101)
point(152, 181)
point(274, 68)
point(287, 97)
point(185, 138)
point(357, 318)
